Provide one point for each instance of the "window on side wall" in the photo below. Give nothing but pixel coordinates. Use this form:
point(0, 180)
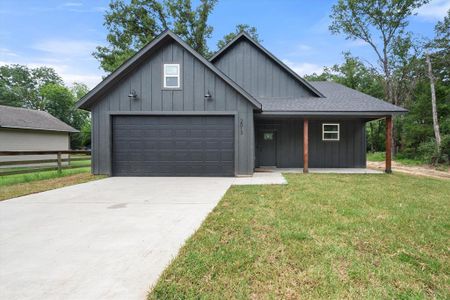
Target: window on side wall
point(330, 132)
point(171, 76)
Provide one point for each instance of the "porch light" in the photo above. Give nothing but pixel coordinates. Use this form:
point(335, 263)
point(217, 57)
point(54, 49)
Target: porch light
point(133, 95)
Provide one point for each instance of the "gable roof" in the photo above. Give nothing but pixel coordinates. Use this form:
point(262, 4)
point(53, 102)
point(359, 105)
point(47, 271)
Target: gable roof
point(22, 118)
point(244, 35)
point(87, 101)
point(338, 100)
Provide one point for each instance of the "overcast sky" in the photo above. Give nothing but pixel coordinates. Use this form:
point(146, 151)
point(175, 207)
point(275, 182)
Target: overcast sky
point(63, 34)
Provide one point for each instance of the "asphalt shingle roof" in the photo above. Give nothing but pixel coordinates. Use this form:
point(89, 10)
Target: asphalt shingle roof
point(15, 117)
point(338, 98)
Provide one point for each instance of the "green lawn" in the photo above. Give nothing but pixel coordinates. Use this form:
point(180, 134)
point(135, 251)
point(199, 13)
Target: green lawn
point(21, 178)
point(380, 156)
point(320, 236)
point(24, 188)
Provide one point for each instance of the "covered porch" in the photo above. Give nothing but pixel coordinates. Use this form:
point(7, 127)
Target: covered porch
point(315, 143)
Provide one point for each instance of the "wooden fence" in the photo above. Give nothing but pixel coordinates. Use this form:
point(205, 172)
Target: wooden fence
point(16, 166)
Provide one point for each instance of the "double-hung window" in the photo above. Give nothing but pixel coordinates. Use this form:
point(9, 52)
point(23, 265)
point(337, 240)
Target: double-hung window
point(330, 132)
point(171, 76)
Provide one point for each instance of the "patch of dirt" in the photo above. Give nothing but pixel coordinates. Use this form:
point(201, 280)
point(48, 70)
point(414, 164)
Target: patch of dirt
point(413, 170)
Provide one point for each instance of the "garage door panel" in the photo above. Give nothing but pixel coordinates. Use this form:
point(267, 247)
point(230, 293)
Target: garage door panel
point(173, 146)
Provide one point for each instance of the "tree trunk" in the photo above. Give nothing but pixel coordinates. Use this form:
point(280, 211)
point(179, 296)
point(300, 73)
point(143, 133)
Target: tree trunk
point(390, 95)
point(433, 104)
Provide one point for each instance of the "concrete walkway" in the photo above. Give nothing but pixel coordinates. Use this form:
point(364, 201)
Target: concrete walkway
point(322, 170)
point(106, 239)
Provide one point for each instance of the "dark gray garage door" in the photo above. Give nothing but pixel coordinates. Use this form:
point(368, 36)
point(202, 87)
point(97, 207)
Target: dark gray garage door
point(173, 146)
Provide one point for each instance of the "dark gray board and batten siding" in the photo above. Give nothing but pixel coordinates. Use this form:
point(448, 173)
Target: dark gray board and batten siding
point(152, 99)
point(259, 74)
point(348, 152)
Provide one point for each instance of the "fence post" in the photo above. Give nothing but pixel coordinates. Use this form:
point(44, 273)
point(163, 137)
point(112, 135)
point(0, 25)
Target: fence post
point(59, 163)
point(68, 160)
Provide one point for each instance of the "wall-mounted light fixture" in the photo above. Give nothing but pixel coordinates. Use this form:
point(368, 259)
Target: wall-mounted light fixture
point(133, 95)
point(208, 95)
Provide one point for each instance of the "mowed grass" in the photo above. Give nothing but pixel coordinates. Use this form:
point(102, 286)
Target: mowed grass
point(320, 236)
point(29, 177)
point(26, 188)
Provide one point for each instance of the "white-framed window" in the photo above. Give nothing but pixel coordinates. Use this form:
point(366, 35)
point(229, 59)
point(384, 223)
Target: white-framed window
point(171, 76)
point(330, 132)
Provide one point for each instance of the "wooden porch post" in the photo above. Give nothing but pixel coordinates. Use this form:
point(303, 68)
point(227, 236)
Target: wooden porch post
point(388, 144)
point(305, 146)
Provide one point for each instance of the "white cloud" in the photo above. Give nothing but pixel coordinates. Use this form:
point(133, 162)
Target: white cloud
point(300, 50)
point(303, 68)
point(6, 52)
point(69, 73)
point(66, 47)
point(435, 10)
point(73, 4)
point(356, 43)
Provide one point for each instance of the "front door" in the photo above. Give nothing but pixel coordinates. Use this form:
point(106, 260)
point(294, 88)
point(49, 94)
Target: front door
point(268, 148)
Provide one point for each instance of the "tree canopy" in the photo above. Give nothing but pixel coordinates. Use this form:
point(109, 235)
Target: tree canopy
point(132, 25)
point(252, 31)
point(43, 89)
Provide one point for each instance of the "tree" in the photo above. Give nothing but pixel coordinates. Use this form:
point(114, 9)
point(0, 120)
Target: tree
point(79, 90)
point(252, 31)
point(382, 25)
point(60, 102)
point(379, 23)
point(131, 26)
point(20, 85)
point(354, 74)
point(437, 134)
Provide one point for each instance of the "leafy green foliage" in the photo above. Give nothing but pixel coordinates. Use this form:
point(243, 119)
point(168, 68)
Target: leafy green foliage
point(401, 77)
point(132, 25)
point(20, 85)
point(252, 31)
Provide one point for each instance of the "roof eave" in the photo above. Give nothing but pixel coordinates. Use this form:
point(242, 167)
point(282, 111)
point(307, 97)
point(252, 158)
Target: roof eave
point(73, 130)
point(333, 113)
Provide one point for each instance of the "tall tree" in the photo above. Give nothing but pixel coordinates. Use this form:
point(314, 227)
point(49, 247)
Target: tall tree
point(382, 25)
point(20, 85)
point(437, 133)
point(132, 25)
point(440, 45)
point(252, 31)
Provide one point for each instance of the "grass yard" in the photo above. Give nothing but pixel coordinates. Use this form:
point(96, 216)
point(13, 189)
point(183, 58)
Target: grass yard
point(320, 236)
point(15, 190)
point(380, 156)
point(29, 177)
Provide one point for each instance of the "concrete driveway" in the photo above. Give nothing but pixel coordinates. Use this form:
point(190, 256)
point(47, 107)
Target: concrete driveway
point(106, 239)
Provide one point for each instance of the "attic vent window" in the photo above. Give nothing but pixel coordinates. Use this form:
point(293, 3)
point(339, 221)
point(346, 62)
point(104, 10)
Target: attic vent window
point(172, 76)
point(330, 132)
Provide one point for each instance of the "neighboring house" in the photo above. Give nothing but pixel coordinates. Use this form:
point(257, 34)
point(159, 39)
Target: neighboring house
point(167, 111)
point(26, 129)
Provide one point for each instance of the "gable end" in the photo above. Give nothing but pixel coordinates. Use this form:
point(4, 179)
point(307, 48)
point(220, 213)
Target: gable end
point(260, 72)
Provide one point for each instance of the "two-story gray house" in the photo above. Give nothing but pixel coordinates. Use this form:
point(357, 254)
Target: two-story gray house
point(168, 111)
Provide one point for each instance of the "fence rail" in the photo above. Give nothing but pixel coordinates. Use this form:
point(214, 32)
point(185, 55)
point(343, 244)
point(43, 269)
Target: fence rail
point(16, 165)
